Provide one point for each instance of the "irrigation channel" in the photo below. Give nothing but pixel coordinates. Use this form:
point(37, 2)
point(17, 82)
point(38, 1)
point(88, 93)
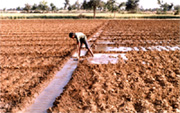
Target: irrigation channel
point(55, 87)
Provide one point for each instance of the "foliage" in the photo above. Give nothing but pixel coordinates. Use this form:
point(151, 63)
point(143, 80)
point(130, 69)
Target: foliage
point(18, 8)
point(53, 7)
point(84, 5)
point(122, 4)
point(132, 5)
point(35, 7)
point(112, 5)
point(102, 5)
point(177, 8)
point(27, 7)
point(93, 4)
point(69, 8)
point(4, 9)
point(66, 4)
point(43, 6)
point(76, 5)
point(159, 2)
point(165, 6)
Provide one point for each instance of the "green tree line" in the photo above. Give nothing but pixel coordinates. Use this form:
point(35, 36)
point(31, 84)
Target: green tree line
point(111, 5)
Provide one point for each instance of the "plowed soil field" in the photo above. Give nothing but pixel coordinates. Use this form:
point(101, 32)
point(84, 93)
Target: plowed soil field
point(31, 52)
point(147, 80)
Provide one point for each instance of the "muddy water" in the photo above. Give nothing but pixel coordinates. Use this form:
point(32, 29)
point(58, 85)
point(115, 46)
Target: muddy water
point(83, 53)
point(103, 58)
point(113, 58)
point(55, 88)
point(104, 42)
point(47, 97)
point(126, 49)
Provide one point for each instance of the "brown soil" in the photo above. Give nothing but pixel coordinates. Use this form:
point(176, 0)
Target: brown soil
point(132, 33)
point(149, 81)
point(31, 53)
point(124, 87)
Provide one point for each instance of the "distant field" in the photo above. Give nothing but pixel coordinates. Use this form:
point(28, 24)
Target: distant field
point(82, 15)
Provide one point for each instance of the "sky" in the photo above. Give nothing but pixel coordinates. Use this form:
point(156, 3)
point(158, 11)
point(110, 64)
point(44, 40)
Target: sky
point(60, 3)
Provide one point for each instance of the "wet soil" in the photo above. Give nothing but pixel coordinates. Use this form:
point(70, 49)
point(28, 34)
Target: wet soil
point(146, 82)
point(31, 53)
point(56, 86)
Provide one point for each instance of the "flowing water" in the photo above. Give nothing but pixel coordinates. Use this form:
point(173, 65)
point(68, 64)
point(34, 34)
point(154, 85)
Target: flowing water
point(103, 58)
point(107, 48)
point(54, 89)
point(56, 86)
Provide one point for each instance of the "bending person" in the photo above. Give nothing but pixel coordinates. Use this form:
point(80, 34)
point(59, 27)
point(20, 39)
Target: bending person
point(81, 38)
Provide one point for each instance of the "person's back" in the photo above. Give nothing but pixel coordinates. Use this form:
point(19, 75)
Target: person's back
point(80, 35)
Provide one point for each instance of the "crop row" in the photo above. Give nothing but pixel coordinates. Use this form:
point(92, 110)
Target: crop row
point(31, 53)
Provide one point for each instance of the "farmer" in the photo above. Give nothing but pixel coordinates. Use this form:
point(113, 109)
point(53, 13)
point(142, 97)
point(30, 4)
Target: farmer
point(81, 38)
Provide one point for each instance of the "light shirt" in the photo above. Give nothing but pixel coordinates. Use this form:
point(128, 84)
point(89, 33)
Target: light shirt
point(79, 36)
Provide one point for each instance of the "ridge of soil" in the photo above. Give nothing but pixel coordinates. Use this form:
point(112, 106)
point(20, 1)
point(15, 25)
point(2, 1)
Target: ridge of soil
point(148, 81)
point(130, 86)
point(28, 66)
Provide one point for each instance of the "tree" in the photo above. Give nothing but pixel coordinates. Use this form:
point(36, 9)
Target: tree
point(132, 5)
point(76, 5)
point(159, 2)
point(177, 8)
point(4, 9)
point(102, 5)
point(27, 8)
point(18, 8)
point(121, 5)
point(84, 5)
point(165, 6)
point(66, 4)
point(112, 6)
point(93, 4)
point(53, 7)
point(170, 6)
point(43, 6)
point(35, 7)
point(69, 8)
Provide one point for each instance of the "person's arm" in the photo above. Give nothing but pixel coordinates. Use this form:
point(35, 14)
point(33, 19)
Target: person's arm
point(79, 50)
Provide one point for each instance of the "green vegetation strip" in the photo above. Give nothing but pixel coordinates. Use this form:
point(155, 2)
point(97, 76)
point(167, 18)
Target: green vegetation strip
point(85, 15)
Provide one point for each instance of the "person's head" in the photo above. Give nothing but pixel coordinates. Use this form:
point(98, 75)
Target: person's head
point(71, 35)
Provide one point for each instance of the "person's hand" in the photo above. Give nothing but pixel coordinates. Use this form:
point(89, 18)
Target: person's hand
point(77, 57)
